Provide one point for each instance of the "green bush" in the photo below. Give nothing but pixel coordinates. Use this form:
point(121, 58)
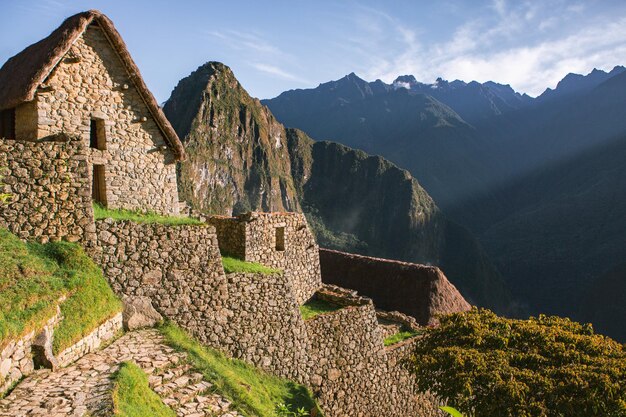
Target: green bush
point(545, 366)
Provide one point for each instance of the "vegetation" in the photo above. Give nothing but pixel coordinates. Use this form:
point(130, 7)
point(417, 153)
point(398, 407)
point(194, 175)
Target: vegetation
point(101, 212)
point(544, 366)
point(33, 277)
point(400, 336)
point(132, 396)
point(253, 392)
point(232, 265)
point(452, 411)
point(315, 307)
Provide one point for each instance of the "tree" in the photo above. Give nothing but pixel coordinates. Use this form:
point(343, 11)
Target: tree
point(490, 366)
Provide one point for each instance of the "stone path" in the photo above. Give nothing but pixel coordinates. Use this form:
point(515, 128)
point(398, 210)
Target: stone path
point(84, 388)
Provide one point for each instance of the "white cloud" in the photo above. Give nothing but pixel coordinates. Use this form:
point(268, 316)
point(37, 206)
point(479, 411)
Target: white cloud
point(277, 72)
point(522, 44)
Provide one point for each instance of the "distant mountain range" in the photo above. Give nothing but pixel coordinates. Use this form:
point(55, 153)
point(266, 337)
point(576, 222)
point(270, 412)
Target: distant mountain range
point(538, 180)
point(241, 158)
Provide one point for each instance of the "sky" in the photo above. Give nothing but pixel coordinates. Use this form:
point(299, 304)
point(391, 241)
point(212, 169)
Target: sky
point(278, 45)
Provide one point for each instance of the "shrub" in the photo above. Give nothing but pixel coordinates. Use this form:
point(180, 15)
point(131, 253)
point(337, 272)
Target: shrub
point(544, 366)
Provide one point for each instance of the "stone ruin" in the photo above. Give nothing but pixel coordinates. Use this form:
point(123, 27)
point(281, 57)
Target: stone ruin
point(79, 126)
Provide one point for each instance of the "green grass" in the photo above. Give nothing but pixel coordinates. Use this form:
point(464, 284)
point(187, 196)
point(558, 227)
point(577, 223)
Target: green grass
point(252, 391)
point(132, 396)
point(400, 336)
point(140, 217)
point(32, 279)
point(315, 307)
point(232, 265)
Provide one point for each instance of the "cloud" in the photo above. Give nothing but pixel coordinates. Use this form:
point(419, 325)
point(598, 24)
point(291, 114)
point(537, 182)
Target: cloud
point(277, 72)
point(529, 45)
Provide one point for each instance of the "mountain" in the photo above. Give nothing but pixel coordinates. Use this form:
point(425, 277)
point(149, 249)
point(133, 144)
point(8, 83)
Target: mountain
point(412, 130)
point(603, 303)
point(355, 202)
point(237, 152)
point(539, 182)
point(383, 208)
point(577, 83)
point(473, 101)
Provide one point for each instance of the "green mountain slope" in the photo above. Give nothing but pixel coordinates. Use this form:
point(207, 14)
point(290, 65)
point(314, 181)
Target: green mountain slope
point(237, 151)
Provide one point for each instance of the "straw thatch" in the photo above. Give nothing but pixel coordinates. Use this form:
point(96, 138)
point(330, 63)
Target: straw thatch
point(22, 74)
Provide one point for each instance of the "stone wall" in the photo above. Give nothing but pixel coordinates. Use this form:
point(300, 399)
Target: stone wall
point(250, 316)
point(16, 361)
point(277, 240)
point(91, 82)
point(178, 267)
point(417, 290)
point(231, 235)
point(50, 190)
point(92, 342)
point(267, 326)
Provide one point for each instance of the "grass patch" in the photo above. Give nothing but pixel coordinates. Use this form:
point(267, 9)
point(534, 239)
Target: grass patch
point(32, 279)
point(132, 396)
point(400, 336)
point(252, 391)
point(232, 265)
point(316, 307)
point(101, 212)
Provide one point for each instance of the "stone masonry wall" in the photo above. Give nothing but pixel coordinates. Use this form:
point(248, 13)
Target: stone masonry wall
point(276, 240)
point(267, 326)
point(231, 235)
point(16, 361)
point(420, 291)
point(250, 316)
point(91, 82)
point(50, 190)
point(352, 371)
point(92, 342)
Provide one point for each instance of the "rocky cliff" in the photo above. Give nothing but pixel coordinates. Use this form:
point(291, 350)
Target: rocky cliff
point(238, 159)
point(241, 158)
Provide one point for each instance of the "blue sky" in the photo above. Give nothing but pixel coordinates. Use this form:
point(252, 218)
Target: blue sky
point(274, 46)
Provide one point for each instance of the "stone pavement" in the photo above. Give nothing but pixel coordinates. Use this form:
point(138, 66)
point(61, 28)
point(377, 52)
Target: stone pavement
point(84, 388)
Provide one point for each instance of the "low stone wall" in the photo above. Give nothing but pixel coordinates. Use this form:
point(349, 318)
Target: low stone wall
point(16, 361)
point(92, 342)
point(50, 189)
point(420, 291)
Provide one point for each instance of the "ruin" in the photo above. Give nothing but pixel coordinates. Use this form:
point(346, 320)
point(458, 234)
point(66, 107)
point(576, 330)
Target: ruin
point(81, 126)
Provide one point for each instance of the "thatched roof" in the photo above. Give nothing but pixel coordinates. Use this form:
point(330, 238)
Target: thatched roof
point(22, 74)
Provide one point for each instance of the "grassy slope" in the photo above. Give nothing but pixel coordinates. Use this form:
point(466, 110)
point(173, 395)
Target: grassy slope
point(315, 307)
point(32, 279)
point(139, 217)
point(132, 397)
point(232, 265)
point(251, 391)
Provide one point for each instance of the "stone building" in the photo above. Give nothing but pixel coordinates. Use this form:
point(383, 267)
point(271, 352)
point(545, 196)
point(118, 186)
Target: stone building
point(81, 82)
point(277, 240)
